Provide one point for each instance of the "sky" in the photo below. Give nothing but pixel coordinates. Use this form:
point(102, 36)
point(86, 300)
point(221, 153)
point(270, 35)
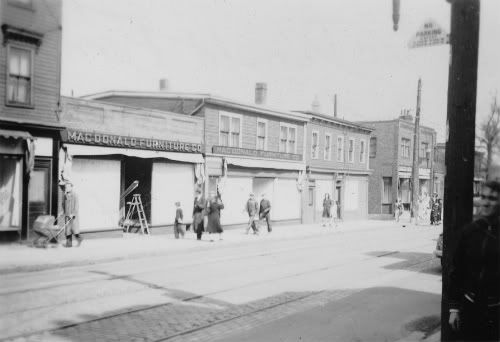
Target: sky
point(302, 49)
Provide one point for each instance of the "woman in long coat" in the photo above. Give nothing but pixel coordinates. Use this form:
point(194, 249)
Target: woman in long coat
point(214, 206)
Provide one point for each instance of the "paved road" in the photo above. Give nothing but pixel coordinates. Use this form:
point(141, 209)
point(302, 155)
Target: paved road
point(233, 291)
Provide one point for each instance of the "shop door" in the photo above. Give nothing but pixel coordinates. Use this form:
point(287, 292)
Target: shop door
point(141, 170)
point(308, 203)
point(39, 192)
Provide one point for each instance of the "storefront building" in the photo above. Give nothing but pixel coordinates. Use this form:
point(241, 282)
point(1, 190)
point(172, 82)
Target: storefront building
point(105, 148)
point(249, 148)
point(337, 165)
point(391, 158)
point(29, 124)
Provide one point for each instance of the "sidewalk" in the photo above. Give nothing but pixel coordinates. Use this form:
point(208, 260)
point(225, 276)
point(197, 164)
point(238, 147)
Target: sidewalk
point(21, 258)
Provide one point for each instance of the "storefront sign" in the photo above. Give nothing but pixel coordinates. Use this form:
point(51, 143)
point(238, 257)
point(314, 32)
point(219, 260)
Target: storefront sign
point(255, 153)
point(110, 140)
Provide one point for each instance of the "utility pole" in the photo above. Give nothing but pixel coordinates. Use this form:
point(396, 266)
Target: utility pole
point(460, 145)
point(414, 170)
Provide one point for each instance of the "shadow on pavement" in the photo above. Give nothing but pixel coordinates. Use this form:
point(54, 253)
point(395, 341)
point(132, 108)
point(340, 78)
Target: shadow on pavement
point(411, 261)
point(375, 314)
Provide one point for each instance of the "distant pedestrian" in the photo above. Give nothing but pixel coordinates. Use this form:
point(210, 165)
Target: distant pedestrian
point(398, 209)
point(214, 206)
point(198, 214)
point(179, 227)
point(252, 208)
point(71, 215)
point(333, 217)
point(265, 211)
point(327, 210)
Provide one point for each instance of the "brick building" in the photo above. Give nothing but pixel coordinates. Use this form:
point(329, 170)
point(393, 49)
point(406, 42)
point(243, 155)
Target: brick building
point(30, 64)
point(391, 158)
point(338, 165)
point(249, 147)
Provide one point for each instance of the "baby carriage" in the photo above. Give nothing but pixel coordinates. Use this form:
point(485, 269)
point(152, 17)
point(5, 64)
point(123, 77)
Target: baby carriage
point(48, 230)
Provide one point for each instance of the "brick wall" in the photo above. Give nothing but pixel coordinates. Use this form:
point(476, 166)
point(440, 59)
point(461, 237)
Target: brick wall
point(44, 18)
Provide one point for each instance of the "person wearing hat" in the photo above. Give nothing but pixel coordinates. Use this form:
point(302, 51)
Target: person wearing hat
point(71, 215)
point(198, 214)
point(252, 208)
point(265, 211)
point(179, 227)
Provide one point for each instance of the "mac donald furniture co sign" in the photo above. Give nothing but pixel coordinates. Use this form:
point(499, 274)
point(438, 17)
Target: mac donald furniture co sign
point(111, 140)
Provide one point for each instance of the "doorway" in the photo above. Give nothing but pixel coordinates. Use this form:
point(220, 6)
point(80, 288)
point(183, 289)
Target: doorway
point(138, 169)
point(39, 194)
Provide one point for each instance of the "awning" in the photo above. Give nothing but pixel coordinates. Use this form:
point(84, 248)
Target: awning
point(7, 133)
point(84, 150)
point(265, 164)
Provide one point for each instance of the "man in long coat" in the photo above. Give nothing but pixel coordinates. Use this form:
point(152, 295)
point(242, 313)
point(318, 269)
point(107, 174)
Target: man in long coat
point(252, 208)
point(71, 215)
point(265, 211)
point(198, 213)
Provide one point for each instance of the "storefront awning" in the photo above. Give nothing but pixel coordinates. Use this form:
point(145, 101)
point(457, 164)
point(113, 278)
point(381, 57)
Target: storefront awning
point(266, 164)
point(84, 150)
point(7, 133)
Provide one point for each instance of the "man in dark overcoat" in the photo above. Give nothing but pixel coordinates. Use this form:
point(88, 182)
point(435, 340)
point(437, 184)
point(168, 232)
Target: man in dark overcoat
point(252, 208)
point(474, 291)
point(198, 214)
point(265, 211)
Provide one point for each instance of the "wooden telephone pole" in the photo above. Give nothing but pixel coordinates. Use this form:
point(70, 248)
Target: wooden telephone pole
point(414, 170)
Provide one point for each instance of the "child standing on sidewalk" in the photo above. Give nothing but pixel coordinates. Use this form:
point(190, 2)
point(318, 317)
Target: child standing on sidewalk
point(179, 228)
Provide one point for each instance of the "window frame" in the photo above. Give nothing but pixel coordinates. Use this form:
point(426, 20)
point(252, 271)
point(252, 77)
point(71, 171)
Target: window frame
point(315, 152)
point(31, 51)
point(230, 116)
point(350, 157)
point(340, 156)
point(288, 127)
point(405, 148)
point(264, 121)
point(362, 151)
point(373, 151)
point(327, 155)
point(389, 192)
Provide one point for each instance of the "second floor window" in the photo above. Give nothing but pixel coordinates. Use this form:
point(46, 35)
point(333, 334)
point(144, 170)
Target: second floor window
point(230, 131)
point(288, 136)
point(340, 149)
point(362, 151)
point(328, 143)
point(423, 150)
point(351, 150)
point(19, 78)
point(315, 146)
point(373, 147)
point(261, 135)
point(405, 148)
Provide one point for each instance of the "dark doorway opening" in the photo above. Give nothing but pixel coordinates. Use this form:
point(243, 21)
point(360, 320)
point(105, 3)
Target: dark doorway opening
point(139, 169)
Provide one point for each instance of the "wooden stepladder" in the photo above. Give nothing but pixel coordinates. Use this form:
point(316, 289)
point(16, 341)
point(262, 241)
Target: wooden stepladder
point(136, 207)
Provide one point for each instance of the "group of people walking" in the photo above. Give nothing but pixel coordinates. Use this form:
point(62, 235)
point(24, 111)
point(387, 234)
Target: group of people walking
point(256, 212)
point(429, 209)
point(330, 212)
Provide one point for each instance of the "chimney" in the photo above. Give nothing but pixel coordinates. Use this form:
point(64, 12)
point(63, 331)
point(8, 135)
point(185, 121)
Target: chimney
point(315, 105)
point(163, 84)
point(335, 106)
point(260, 93)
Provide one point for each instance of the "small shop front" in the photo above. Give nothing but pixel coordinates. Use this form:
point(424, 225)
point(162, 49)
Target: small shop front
point(404, 185)
point(236, 176)
point(102, 166)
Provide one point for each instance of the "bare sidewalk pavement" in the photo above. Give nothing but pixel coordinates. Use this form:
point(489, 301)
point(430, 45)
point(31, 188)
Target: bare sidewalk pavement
point(18, 259)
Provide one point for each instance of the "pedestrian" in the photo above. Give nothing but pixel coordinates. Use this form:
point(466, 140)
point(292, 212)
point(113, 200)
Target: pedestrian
point(333, 216)
point(327, 207)
point(435, 209)
point(252, 208)
point(265, 211)
point(214, 206)
point(474, 289)
point(179, 227)
point(71, 215)
point(198, 214)
point(398, 209)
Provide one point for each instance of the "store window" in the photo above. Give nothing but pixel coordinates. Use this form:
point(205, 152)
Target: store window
point(387, 190)
point(19, 76)
point(351, 150)
point(261, 134)
point(340, 149)
point(405, 148)
point(230, 129)
point(362, 152)
point(328, 147)
point(10, 193)
point(288, 136)
point(315, 145)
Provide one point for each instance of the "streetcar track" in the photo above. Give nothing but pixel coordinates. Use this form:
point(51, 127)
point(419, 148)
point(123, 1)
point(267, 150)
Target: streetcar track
point(201, 296)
